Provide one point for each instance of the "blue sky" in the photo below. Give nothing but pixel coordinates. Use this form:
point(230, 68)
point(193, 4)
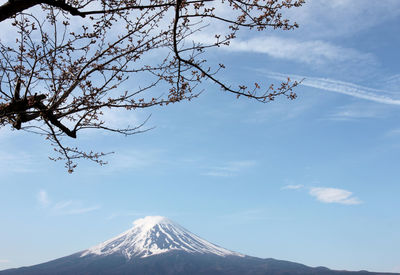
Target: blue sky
point(313, 180)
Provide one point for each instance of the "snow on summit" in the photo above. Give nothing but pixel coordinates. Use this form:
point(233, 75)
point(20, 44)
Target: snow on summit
point(154, 235)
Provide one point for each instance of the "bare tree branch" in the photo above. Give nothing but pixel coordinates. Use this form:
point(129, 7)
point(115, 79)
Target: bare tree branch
point(58, 77)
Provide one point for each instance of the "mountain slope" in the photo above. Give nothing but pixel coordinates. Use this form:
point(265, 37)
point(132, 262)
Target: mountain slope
point(158, 246)
point(156, 235)
point(173, 263)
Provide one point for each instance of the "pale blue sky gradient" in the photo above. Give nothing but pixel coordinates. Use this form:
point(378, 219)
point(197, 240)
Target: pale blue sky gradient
point(315, 180)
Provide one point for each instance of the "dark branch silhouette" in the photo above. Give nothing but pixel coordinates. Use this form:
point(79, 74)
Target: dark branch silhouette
point(69, 60)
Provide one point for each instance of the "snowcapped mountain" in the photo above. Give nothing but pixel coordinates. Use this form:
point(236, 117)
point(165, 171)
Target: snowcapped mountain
point(158, 246)
point(154, 235)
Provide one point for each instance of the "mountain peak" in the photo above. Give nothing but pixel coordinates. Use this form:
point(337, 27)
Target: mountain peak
point(151, 221)
point(154, 235)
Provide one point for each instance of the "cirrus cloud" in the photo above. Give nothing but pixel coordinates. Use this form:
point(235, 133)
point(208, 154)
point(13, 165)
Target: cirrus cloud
point(43, 198)
point(229, 169)
point(310, 52)
point(293, 186)
point(66, 207)
point(334, 195)
point(341, 87)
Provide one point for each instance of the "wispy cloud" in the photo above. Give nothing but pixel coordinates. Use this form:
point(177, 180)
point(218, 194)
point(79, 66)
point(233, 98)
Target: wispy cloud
point(334, 195)
point(358, 111)
point(230, 169)
point(393, 133)
point(342, 87)
point(392, 82)
point(218, 174)
point(133, 159)
point(17, 162)
point(43, 198)
point(72, 207)
point(315, 52)
point(342, 17)
point(66, 207)
point(4, 261)
point(310, 52)
point(122, 118)
point(327, 194)
point(393, 79)
point(15, 158)
point(350, 115)
point(293, 186)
